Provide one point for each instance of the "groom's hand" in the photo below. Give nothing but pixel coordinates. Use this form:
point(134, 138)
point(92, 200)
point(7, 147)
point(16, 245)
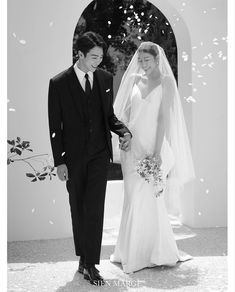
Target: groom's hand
point(62, 172)
point(125, 142)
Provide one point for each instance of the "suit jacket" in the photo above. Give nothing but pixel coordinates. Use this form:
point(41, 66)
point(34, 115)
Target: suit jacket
point(66, 123)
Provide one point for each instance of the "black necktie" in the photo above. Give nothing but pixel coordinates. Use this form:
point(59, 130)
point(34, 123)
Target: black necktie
point(87, 85)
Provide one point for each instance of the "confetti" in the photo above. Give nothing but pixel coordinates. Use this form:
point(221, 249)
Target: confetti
point(23, 42)
point(142, 13)
point(109, 22)
point(125, 11)
point(139, 37)
point(63, 154)
point(109, 36)
point(190, 98)
point(131, 7)
point(53, 135)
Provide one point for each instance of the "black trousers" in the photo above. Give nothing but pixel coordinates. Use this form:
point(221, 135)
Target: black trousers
point(87, 186)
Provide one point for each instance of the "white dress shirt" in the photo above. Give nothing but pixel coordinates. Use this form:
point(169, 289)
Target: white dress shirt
point(81, 76)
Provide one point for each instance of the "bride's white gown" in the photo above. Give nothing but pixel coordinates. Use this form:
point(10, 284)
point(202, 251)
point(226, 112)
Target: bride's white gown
point(145, 237)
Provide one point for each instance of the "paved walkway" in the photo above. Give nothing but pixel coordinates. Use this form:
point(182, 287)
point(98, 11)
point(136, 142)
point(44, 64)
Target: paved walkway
point(50, 265)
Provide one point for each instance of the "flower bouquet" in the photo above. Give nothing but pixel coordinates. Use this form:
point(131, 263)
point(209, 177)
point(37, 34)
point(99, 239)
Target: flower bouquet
point(149, 169)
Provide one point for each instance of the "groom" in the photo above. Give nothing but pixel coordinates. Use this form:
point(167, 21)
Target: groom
point(80, 120)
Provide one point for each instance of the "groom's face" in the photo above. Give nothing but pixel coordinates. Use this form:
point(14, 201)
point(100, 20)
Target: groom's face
point(91, 61)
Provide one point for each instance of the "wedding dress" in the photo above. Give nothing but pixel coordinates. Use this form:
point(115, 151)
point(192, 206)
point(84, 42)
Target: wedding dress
point(145, 237)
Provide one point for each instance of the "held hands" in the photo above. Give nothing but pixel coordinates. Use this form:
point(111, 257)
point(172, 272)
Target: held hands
point(125, 144)
point(62, 172)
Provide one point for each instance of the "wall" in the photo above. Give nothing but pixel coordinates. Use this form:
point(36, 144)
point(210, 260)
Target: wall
point(40, 45)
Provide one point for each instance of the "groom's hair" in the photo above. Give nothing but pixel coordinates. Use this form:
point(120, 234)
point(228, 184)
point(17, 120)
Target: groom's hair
point(88, 41)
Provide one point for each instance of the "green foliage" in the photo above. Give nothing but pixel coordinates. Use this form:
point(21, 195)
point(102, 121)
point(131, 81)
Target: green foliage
point(124, 24)
point(17, 147)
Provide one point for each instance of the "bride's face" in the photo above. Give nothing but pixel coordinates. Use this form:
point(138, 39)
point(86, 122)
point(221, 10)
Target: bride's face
point(148, 63)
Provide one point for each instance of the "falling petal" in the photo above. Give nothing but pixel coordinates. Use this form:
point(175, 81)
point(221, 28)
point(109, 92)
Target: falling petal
point(131, 7)
point(199, 76)
point(151, 16)
point(53, 135)
point(215, 39)
point(194, 89)
point(201, 179)
point(183, 4)
point(207, 191)
point(194, 47)
point(181, 9)
point(51, 23)
point(190, 83)
point(109, 36)
point(177, 19)
point(139, 37)
point(140, 30)
point(213, 8)
point(199, 213)
point(190, 98)
point(194, 64)
point(23, 42)
point(204, 11)
point(12, 110)
point(224, 58)
point(203, 65)
point(63, 154)
point(167, 23)
point(215, 43)
point(128, 18)
point(14, 35)
point(142, 13)
point(53, 201)
point(201, 43)
point(109, 22)
point(138, 20)
point(120, 7)
point(204, 83)
point(51, 222)
point(125, 11)
point(33, 210)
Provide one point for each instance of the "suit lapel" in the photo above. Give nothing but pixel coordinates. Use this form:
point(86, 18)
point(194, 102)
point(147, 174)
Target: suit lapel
point(101, 85)
point(75, 89)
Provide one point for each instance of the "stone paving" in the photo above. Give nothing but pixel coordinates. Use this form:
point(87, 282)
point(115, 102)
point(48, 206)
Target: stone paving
point(50, 265)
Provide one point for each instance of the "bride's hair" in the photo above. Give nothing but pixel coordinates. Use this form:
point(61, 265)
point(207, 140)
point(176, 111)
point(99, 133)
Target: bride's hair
point(149, 48)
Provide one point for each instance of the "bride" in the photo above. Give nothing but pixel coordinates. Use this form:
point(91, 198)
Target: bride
point(148, 103)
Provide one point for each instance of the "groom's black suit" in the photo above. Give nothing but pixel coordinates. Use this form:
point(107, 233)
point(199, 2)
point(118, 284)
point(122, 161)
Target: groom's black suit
point(80, 137)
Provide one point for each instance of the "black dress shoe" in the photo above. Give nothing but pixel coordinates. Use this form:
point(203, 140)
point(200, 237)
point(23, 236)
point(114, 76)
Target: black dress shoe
point(92, 275)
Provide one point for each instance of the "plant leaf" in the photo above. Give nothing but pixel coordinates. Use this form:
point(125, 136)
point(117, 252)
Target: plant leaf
point(18, 151)
point(8, 161)
point(30, 175)
point(34, 179)
point(18, 139)
point(41, 178)
point(11, 142)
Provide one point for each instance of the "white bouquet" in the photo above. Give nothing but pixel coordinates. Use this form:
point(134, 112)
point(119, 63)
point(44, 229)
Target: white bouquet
point(149, 169)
